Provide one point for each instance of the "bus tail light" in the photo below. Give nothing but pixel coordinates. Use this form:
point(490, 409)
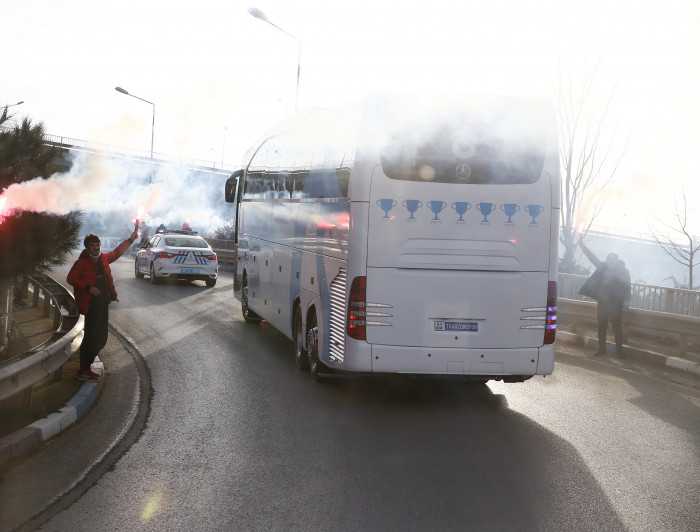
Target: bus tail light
point(550, 329)
point(357, 309)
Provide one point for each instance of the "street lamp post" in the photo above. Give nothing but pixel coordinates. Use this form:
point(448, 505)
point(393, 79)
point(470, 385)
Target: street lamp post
point(11, 105)
point(254, 11)
point(153, 123)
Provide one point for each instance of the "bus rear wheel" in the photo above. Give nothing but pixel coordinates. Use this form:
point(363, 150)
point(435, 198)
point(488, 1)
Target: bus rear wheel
point(301, 358)
point(312, 348)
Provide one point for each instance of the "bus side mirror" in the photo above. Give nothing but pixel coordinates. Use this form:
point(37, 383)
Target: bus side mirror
point(232, 186)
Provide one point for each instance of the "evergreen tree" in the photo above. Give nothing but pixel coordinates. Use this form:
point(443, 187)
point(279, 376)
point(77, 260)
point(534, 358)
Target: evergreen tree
point(32, 242)
point(23, 154)
point(29, 241)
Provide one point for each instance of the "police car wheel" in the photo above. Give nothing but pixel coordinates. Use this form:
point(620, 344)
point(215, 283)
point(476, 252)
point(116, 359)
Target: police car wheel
point(153, 278)
point(137, 273)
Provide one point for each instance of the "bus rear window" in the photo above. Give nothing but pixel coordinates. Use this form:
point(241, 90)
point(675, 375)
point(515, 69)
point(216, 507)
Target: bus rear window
point(481, 145)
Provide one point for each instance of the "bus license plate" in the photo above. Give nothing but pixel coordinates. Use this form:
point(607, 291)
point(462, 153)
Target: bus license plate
point(456, 326)
point(188, 270)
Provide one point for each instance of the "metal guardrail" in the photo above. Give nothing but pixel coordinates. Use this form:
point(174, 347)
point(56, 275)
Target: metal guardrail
point(646, 297)
point(224, 249)
point(20, 374)
point(685, 326)
point(85, 145)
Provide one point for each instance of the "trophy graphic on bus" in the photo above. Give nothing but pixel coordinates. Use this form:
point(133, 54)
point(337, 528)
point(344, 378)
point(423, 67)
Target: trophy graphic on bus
point(485, 209)
point(510, 209)
point(436, 207)
point(386, 204)
point(534, 211)
point(461, 207)
point(412, 205)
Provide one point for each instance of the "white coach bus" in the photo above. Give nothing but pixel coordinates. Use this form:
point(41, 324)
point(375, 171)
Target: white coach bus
point(406, 235)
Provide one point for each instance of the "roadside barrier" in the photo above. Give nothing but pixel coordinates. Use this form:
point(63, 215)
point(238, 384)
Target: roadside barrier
point(21, 373)
point(685, 326)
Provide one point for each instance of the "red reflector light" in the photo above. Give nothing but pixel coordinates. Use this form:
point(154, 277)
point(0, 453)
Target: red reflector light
point(166, 255)
point(357, 309)
point(550, 330)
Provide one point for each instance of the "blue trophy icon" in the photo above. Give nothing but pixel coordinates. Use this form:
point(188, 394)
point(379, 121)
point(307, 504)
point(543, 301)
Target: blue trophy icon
point(412, 205)
point(436, 207)
point(386, 204)
point(485, 209)
point(461, 207)
point(510, 209)
point(534, 211)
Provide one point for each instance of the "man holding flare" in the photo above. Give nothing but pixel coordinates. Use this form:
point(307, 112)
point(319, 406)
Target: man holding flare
point(94, 289)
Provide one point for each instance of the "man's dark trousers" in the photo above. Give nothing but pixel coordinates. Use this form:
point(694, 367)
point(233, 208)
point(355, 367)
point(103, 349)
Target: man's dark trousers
point(609, 310)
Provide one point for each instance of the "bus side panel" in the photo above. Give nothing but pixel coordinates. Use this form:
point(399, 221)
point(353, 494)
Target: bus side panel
point(319, 268)
point(269, 263)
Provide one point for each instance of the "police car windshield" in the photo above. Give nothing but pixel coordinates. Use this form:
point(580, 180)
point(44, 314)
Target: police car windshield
point(184, 242)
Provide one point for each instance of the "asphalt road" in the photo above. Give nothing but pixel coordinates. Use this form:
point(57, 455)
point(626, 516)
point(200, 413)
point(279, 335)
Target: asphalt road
point(236, 438)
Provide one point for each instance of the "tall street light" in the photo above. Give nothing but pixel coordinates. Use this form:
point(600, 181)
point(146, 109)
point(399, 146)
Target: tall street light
point(254, 11)
point(11, 105)
point(153, 123)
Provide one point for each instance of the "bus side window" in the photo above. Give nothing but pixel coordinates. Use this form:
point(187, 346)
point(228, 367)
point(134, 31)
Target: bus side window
point(322, 183)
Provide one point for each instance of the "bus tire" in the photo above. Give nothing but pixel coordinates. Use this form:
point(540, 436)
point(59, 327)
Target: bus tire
point(301, 358)
point(248, 315)
point(312, 348)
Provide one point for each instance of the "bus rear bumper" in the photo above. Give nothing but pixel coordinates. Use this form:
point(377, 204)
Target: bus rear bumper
point(493, 363)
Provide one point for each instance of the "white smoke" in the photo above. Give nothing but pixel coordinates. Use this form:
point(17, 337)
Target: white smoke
point(108, 187)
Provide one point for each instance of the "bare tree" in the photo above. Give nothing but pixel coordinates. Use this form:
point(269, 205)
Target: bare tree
point(677, 240)
point(587, 156)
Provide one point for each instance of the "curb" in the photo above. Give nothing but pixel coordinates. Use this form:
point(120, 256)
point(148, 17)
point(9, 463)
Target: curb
point(650, 357)
point(24, 440)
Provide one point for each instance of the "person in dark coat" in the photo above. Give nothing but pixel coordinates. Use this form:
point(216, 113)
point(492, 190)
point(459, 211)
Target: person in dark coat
point(610, 286)
point(94, 289)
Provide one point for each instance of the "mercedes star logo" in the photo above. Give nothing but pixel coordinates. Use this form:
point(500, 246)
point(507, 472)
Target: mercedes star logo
point(463, 171)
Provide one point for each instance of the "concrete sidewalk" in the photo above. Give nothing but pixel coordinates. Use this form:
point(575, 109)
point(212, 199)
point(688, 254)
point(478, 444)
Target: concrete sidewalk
point(56, 402)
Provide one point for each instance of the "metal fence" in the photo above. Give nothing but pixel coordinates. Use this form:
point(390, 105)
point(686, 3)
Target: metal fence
point(67, 142)
point(644, 296)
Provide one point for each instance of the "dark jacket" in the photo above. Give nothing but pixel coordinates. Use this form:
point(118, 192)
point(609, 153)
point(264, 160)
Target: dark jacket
point(83, 274)
point(609, 284)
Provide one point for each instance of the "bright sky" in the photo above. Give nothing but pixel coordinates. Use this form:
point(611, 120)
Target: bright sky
point(219, 77)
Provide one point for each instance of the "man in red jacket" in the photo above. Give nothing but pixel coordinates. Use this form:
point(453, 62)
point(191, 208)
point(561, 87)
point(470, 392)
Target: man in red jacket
point(94, 290)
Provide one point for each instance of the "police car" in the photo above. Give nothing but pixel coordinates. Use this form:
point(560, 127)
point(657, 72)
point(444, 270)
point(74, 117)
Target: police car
point(177, 255)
